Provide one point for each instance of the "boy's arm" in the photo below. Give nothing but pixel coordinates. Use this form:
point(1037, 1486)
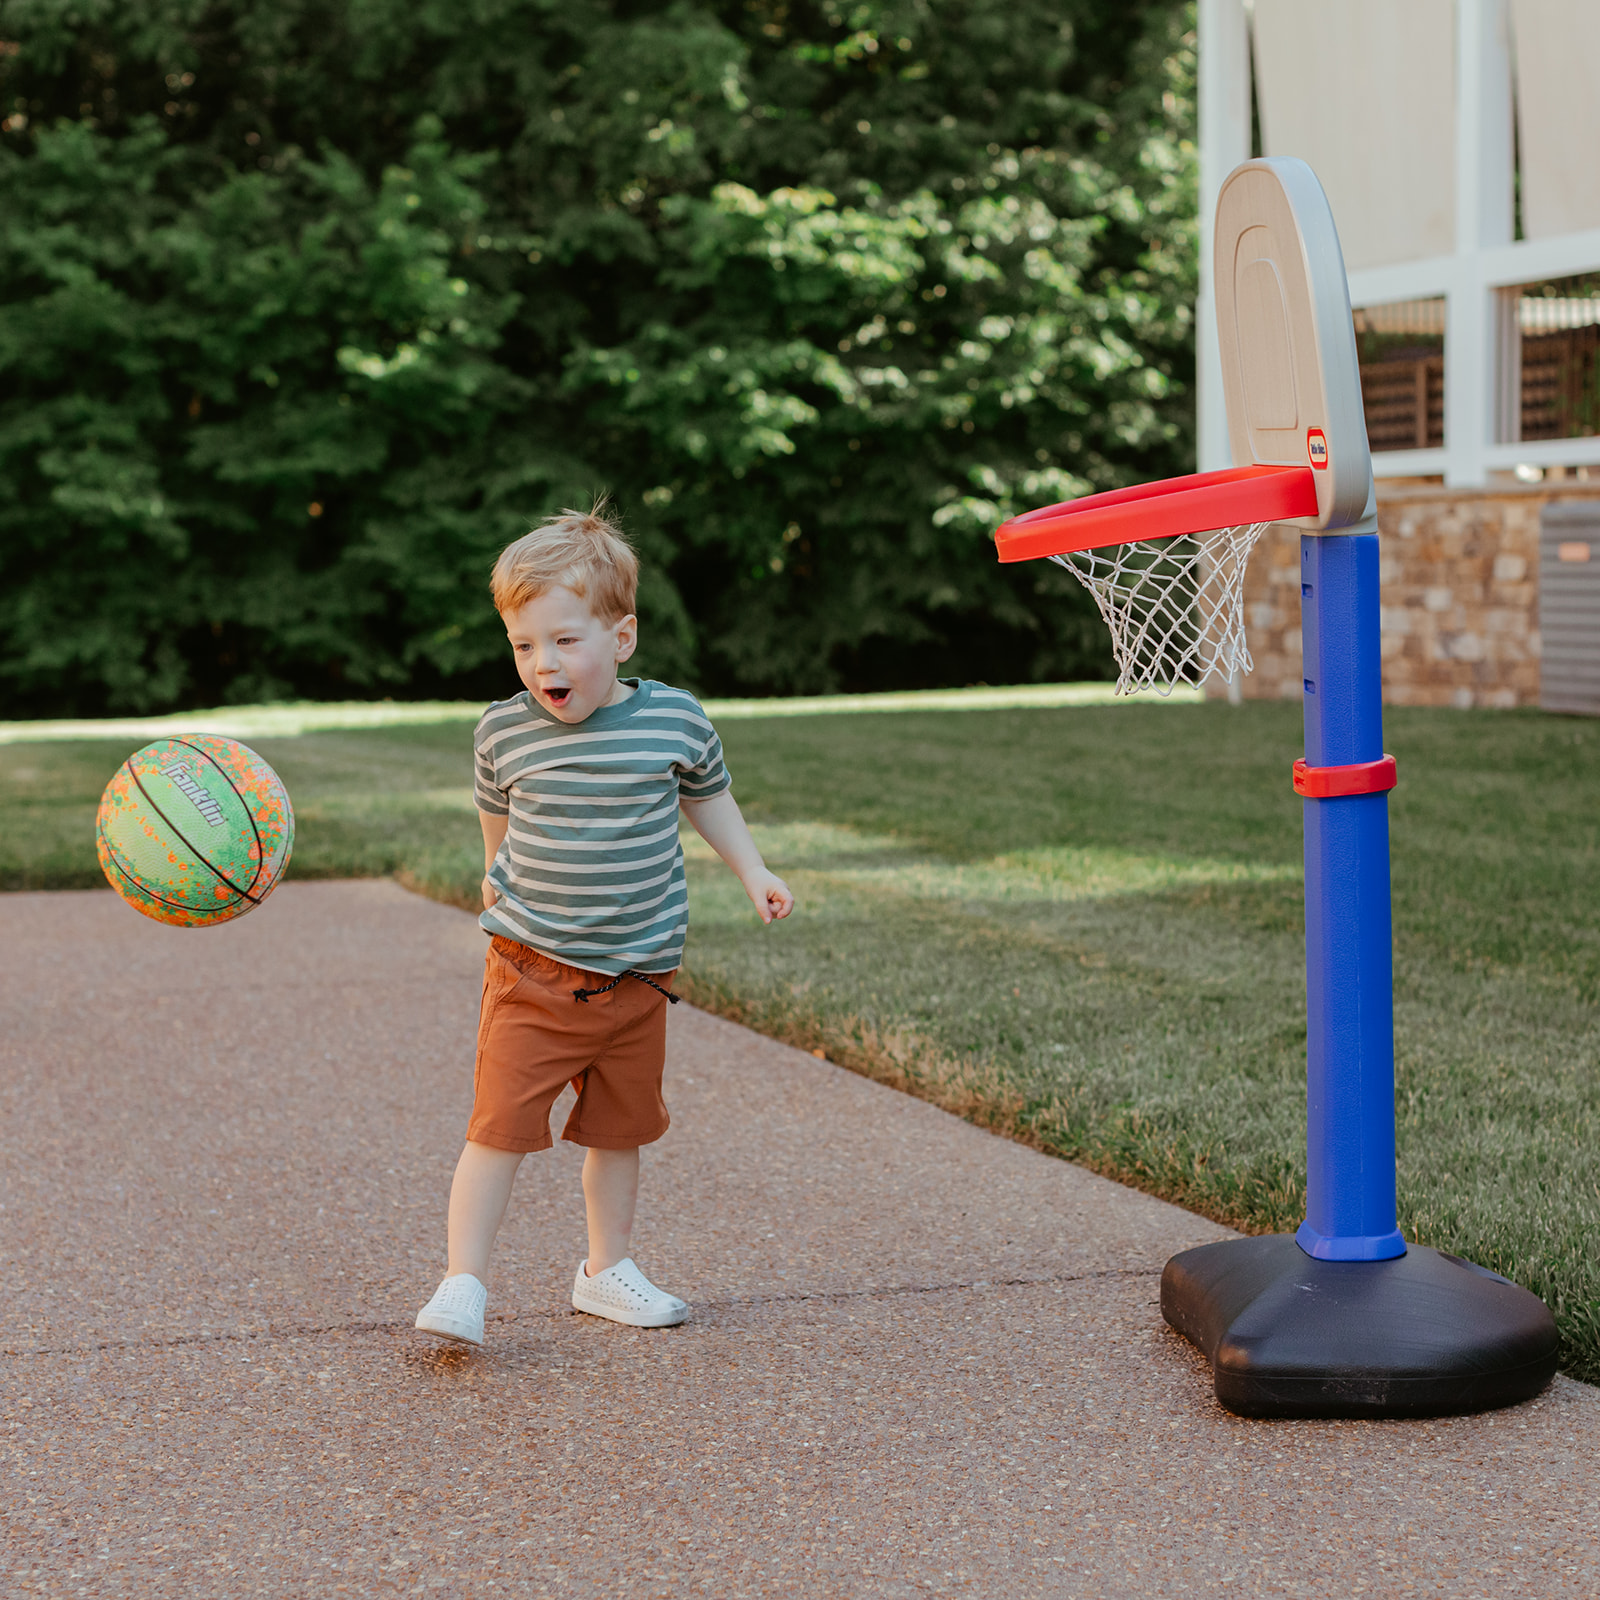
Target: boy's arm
point(494, 835)
point(721, 824)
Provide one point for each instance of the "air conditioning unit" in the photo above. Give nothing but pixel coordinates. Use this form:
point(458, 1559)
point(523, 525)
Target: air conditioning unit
point(1569, 607)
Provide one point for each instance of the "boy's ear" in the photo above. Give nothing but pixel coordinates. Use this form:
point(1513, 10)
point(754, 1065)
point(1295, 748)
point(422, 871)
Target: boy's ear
point(627, 638)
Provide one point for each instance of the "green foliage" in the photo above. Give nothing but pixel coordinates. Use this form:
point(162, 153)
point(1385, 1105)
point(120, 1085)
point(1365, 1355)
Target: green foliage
point(306, 308)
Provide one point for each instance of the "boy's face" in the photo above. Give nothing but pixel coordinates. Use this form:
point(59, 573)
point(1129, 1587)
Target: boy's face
point(566, 655)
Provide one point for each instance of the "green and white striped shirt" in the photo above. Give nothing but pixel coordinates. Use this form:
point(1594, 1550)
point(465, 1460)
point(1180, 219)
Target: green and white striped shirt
point(591, 871)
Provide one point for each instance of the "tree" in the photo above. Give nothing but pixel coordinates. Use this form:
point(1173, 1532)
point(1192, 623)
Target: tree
point(306, 308)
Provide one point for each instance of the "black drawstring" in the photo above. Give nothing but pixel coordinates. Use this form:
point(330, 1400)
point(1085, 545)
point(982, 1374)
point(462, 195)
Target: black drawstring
point(606, 988)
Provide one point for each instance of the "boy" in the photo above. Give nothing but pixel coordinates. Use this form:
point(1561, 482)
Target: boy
point(580, 780)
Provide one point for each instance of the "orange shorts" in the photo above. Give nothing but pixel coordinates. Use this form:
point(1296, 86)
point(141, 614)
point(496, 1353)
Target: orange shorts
point(534, 1038)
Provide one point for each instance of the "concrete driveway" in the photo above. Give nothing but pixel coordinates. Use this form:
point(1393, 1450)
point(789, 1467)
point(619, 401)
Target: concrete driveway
point(921, 1359)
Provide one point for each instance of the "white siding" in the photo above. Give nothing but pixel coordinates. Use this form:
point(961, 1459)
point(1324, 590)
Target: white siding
point(1364, 90)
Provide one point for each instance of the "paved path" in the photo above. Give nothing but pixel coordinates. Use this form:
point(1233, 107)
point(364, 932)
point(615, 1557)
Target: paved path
point(922, 1360)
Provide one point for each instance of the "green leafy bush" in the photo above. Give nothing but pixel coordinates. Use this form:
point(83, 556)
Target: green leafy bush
point(306, 308)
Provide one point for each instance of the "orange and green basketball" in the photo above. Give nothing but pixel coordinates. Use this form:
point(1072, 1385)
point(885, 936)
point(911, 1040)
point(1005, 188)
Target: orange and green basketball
point(194, 830)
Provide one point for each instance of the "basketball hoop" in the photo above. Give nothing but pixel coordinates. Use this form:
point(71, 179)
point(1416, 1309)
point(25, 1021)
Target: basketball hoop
point(1343, 1317)
point(1165, 563)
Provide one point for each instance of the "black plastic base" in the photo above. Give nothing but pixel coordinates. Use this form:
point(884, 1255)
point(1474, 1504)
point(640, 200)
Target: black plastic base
point(1423, 1335)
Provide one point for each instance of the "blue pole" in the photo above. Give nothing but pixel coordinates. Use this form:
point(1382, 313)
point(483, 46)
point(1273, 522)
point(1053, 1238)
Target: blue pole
point(1350, 1196)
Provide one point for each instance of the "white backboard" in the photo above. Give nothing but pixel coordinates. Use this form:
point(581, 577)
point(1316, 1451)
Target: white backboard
point(1286, 341)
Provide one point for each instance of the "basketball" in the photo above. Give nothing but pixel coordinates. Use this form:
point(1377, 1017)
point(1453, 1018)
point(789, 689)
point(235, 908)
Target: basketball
point(194, 830)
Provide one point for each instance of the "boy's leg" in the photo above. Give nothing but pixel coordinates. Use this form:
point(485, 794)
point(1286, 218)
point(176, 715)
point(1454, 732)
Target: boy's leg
point(479, 1194)
point(528, 1050)
point(619, 1109)
point(610, 1194)
point(608, 1283)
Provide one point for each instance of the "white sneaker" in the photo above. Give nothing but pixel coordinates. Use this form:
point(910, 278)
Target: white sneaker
point(456, 1310)
point(624, 1294)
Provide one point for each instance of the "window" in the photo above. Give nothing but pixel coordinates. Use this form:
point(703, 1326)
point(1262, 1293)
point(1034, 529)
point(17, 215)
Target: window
point(1401, 350)
point(1558, 323)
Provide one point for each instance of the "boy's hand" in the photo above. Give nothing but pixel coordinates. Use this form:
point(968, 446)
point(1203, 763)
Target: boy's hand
point(721, 824)
point(490, 893)
point(769, 894)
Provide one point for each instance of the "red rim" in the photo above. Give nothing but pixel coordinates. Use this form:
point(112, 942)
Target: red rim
point(1195, 504)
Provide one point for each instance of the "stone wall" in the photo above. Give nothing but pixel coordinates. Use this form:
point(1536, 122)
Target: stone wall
point(1460, 596)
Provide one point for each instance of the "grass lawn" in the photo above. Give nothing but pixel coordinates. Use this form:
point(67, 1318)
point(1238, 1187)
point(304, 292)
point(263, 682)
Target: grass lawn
point(1082, 927)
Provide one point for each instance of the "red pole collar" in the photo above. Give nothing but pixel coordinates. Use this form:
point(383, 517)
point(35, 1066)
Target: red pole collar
point(1329, 783)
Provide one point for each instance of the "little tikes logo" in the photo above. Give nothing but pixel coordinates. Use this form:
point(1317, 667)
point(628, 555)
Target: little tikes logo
point(183, 781)
point(1317, 448)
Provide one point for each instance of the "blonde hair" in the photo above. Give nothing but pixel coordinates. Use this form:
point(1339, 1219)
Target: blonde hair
point(583, 551)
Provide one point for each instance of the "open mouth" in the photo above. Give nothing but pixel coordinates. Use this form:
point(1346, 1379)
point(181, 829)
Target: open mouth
point(559, 695)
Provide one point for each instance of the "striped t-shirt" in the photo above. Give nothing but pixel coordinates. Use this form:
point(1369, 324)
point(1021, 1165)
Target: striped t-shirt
point(591, 871)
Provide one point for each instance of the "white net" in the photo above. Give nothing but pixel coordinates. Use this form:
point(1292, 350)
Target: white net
point(1175, 607)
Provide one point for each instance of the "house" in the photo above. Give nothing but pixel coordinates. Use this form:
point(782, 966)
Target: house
point(1456, 140)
